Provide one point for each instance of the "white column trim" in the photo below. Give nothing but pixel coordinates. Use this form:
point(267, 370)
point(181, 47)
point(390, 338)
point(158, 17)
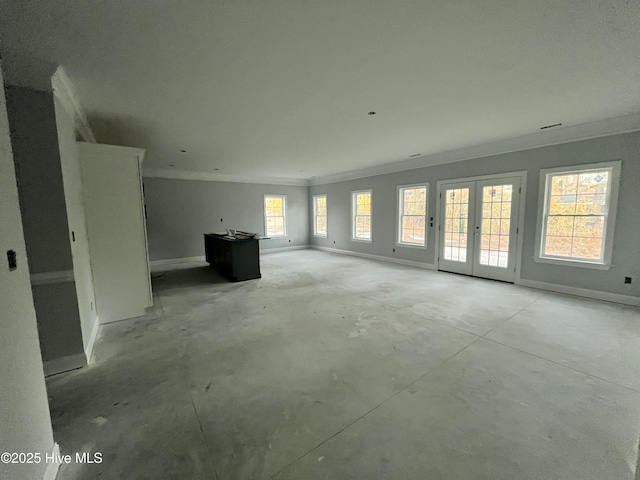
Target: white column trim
point(65, 93)
point(88, 349)
point(52, 467)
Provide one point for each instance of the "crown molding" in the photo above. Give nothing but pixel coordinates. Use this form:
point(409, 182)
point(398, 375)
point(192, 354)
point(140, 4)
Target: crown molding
point(573, 133)
point(65, 93)
point(220, 177)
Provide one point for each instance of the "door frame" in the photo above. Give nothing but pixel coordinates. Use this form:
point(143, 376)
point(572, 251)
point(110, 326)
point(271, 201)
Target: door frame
point(496, 176)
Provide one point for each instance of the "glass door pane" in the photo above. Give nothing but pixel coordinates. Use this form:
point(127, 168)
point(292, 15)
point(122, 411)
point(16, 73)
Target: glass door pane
point(456, 224)
point(497, 218)
point(495, 226)
point(457, 215)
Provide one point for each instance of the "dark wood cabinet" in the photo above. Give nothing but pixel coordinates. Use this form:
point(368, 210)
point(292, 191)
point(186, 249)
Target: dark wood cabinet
point(235, 259)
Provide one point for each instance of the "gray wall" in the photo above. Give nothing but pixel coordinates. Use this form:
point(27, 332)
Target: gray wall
point(179, 212)
point(626, 257)
point(34, 139)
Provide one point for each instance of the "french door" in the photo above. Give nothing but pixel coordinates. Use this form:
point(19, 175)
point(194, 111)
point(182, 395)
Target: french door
point(479, 227)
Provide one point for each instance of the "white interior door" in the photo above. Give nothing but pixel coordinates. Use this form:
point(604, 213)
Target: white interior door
point(479, 227)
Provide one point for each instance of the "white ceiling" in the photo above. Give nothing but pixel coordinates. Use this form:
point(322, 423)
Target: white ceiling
point(282, 88)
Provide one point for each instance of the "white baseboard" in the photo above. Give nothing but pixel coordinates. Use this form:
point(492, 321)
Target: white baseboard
point(88, 349)
point(64, 364)
point(285, 249)
point(52, 467)
point(176, 263)
point(50, 278)
point(581, 292)
point(190, 262)
point(410, 263)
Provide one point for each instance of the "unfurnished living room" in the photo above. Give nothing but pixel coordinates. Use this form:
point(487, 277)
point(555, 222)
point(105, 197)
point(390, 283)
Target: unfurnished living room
point(292, 239)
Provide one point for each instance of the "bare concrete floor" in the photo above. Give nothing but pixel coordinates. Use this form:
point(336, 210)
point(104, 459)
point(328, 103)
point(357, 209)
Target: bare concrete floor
point(332, 367)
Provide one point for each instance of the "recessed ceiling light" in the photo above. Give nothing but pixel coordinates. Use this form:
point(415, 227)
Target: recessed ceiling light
point(371, 113)
point(415, 155)
point(550, 126)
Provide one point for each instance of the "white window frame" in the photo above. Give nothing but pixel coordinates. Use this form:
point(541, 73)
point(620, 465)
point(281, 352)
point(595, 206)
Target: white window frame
point(284, 213)
point(546, 176)
point(354, 194)
point(400, 210)
point(315, 215)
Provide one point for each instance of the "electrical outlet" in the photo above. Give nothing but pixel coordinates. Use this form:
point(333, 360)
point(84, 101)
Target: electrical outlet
point(627, 279)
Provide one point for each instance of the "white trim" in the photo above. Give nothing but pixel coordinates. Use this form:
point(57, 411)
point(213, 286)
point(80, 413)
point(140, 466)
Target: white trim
point(354, 194)
point(221, 177)
point(581, 292)
point(520, 239)
point(490, 176)
point(315, 214)
point(612, 206)
point(88, 349)
point(380, 258)
point(50, 278)
point(545, 138)
point(64, 364)
point(170, 264)
point(399, 215)
point(569, 262)
point(284, 214)
point(284, 249)
point(65, 93)
point(143, 218)
point(176, 263)
point(51, 471)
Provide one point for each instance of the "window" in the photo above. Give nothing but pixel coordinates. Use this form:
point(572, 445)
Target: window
point(578, 214)
point(412, 215)
point(361, 215)
point(320, 215)
point(275, 208)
